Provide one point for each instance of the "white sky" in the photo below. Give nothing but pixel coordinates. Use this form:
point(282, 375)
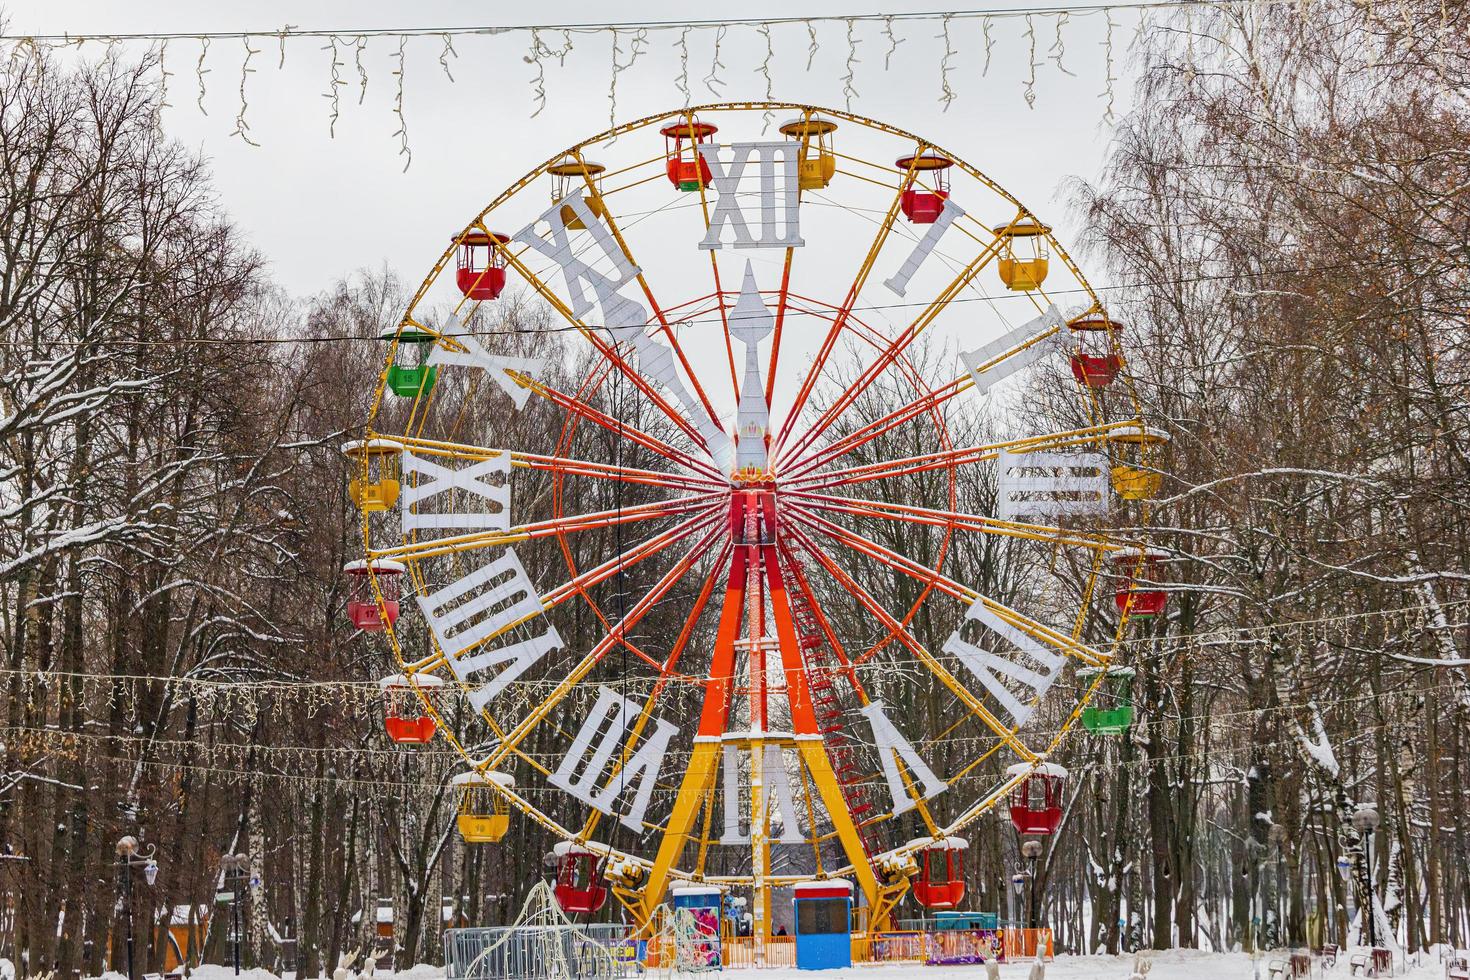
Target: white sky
point(320, 207)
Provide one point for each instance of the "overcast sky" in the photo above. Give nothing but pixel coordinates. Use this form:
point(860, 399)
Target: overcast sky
point(319, 207)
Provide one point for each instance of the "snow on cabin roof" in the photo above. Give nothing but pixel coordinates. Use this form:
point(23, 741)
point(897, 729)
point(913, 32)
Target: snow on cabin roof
point(381, 566)
point(418, 680)
point(1086, 673)
point(1135, 430)
point(477, 778)
point(1042, 769)
point(938, 844)
point(566, 847)
point(821, 885)
point(694, 890)
point(1133, 554)
point(383, 913)
point(374, 446)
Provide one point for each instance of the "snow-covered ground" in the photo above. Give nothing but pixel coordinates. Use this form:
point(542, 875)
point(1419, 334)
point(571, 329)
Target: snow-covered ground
point(1180, 964)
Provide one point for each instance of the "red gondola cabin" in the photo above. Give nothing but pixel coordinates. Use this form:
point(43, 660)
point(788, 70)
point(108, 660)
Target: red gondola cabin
point(580, 887)
point(922, 204)
point(407, 720)
point(687, 170)
point(941, 882)
point(1095, 360)
point(1138, 593)
point(480, 264)
point(362, 605)
point(1036, 801)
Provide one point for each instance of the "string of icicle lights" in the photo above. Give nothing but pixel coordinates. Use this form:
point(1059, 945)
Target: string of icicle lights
point(869, 39)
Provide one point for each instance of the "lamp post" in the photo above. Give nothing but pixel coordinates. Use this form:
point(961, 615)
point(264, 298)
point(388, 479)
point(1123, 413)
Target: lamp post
point(1344, 868)
point(1031, 851)
point(1366, 821)
point(128, 857)
point(234, 867)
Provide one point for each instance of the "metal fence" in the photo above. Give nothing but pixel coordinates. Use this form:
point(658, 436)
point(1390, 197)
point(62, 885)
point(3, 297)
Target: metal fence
point(596, 951)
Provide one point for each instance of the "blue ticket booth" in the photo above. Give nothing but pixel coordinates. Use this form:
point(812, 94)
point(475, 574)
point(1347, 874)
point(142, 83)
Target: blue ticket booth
point(823, 924)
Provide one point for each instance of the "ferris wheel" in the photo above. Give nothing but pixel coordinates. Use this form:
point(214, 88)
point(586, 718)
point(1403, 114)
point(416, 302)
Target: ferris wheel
point(714, 626)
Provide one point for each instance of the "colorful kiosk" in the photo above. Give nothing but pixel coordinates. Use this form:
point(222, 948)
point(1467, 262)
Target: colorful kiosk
point(703, 904)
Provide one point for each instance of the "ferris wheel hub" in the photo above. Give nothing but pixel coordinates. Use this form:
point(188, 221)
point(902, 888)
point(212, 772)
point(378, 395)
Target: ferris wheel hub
point(752, 479)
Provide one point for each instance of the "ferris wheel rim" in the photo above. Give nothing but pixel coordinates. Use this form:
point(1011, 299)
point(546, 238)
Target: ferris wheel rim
point(408, 323)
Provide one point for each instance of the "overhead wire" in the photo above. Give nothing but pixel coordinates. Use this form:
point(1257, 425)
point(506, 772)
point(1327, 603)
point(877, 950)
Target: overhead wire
point(451, 31)
point(1171, 643)
point(577, 328)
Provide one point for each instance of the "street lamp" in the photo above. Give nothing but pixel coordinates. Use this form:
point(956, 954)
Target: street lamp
point(1366, 821)
point(1031, 851)
point(235, 866)
point(1018, 888)
point(129, 858)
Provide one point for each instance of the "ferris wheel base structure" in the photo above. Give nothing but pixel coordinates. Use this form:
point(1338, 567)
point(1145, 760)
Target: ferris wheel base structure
point(764, 551)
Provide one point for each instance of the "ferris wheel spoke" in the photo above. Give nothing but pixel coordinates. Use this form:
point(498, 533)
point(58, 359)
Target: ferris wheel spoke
point(719, 295)
point(926, 402)
point(453, 544)
point(612, 226)
point(892, 352)
point(584, 581)
point(1069, 439)
point(644, 549)
point(614, 638)
point(867, 335)
point(666, 671)
point(928, 576)
point(554, 464)
point(609, 353)
point(829, 342)
point(804, 589)
point(909, 513)
point(782, 302)
point(897, 630)
point(583, 410)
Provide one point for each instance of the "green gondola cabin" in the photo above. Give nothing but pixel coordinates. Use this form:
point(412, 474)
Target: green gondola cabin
point(409, 376)
point(1110, 712)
